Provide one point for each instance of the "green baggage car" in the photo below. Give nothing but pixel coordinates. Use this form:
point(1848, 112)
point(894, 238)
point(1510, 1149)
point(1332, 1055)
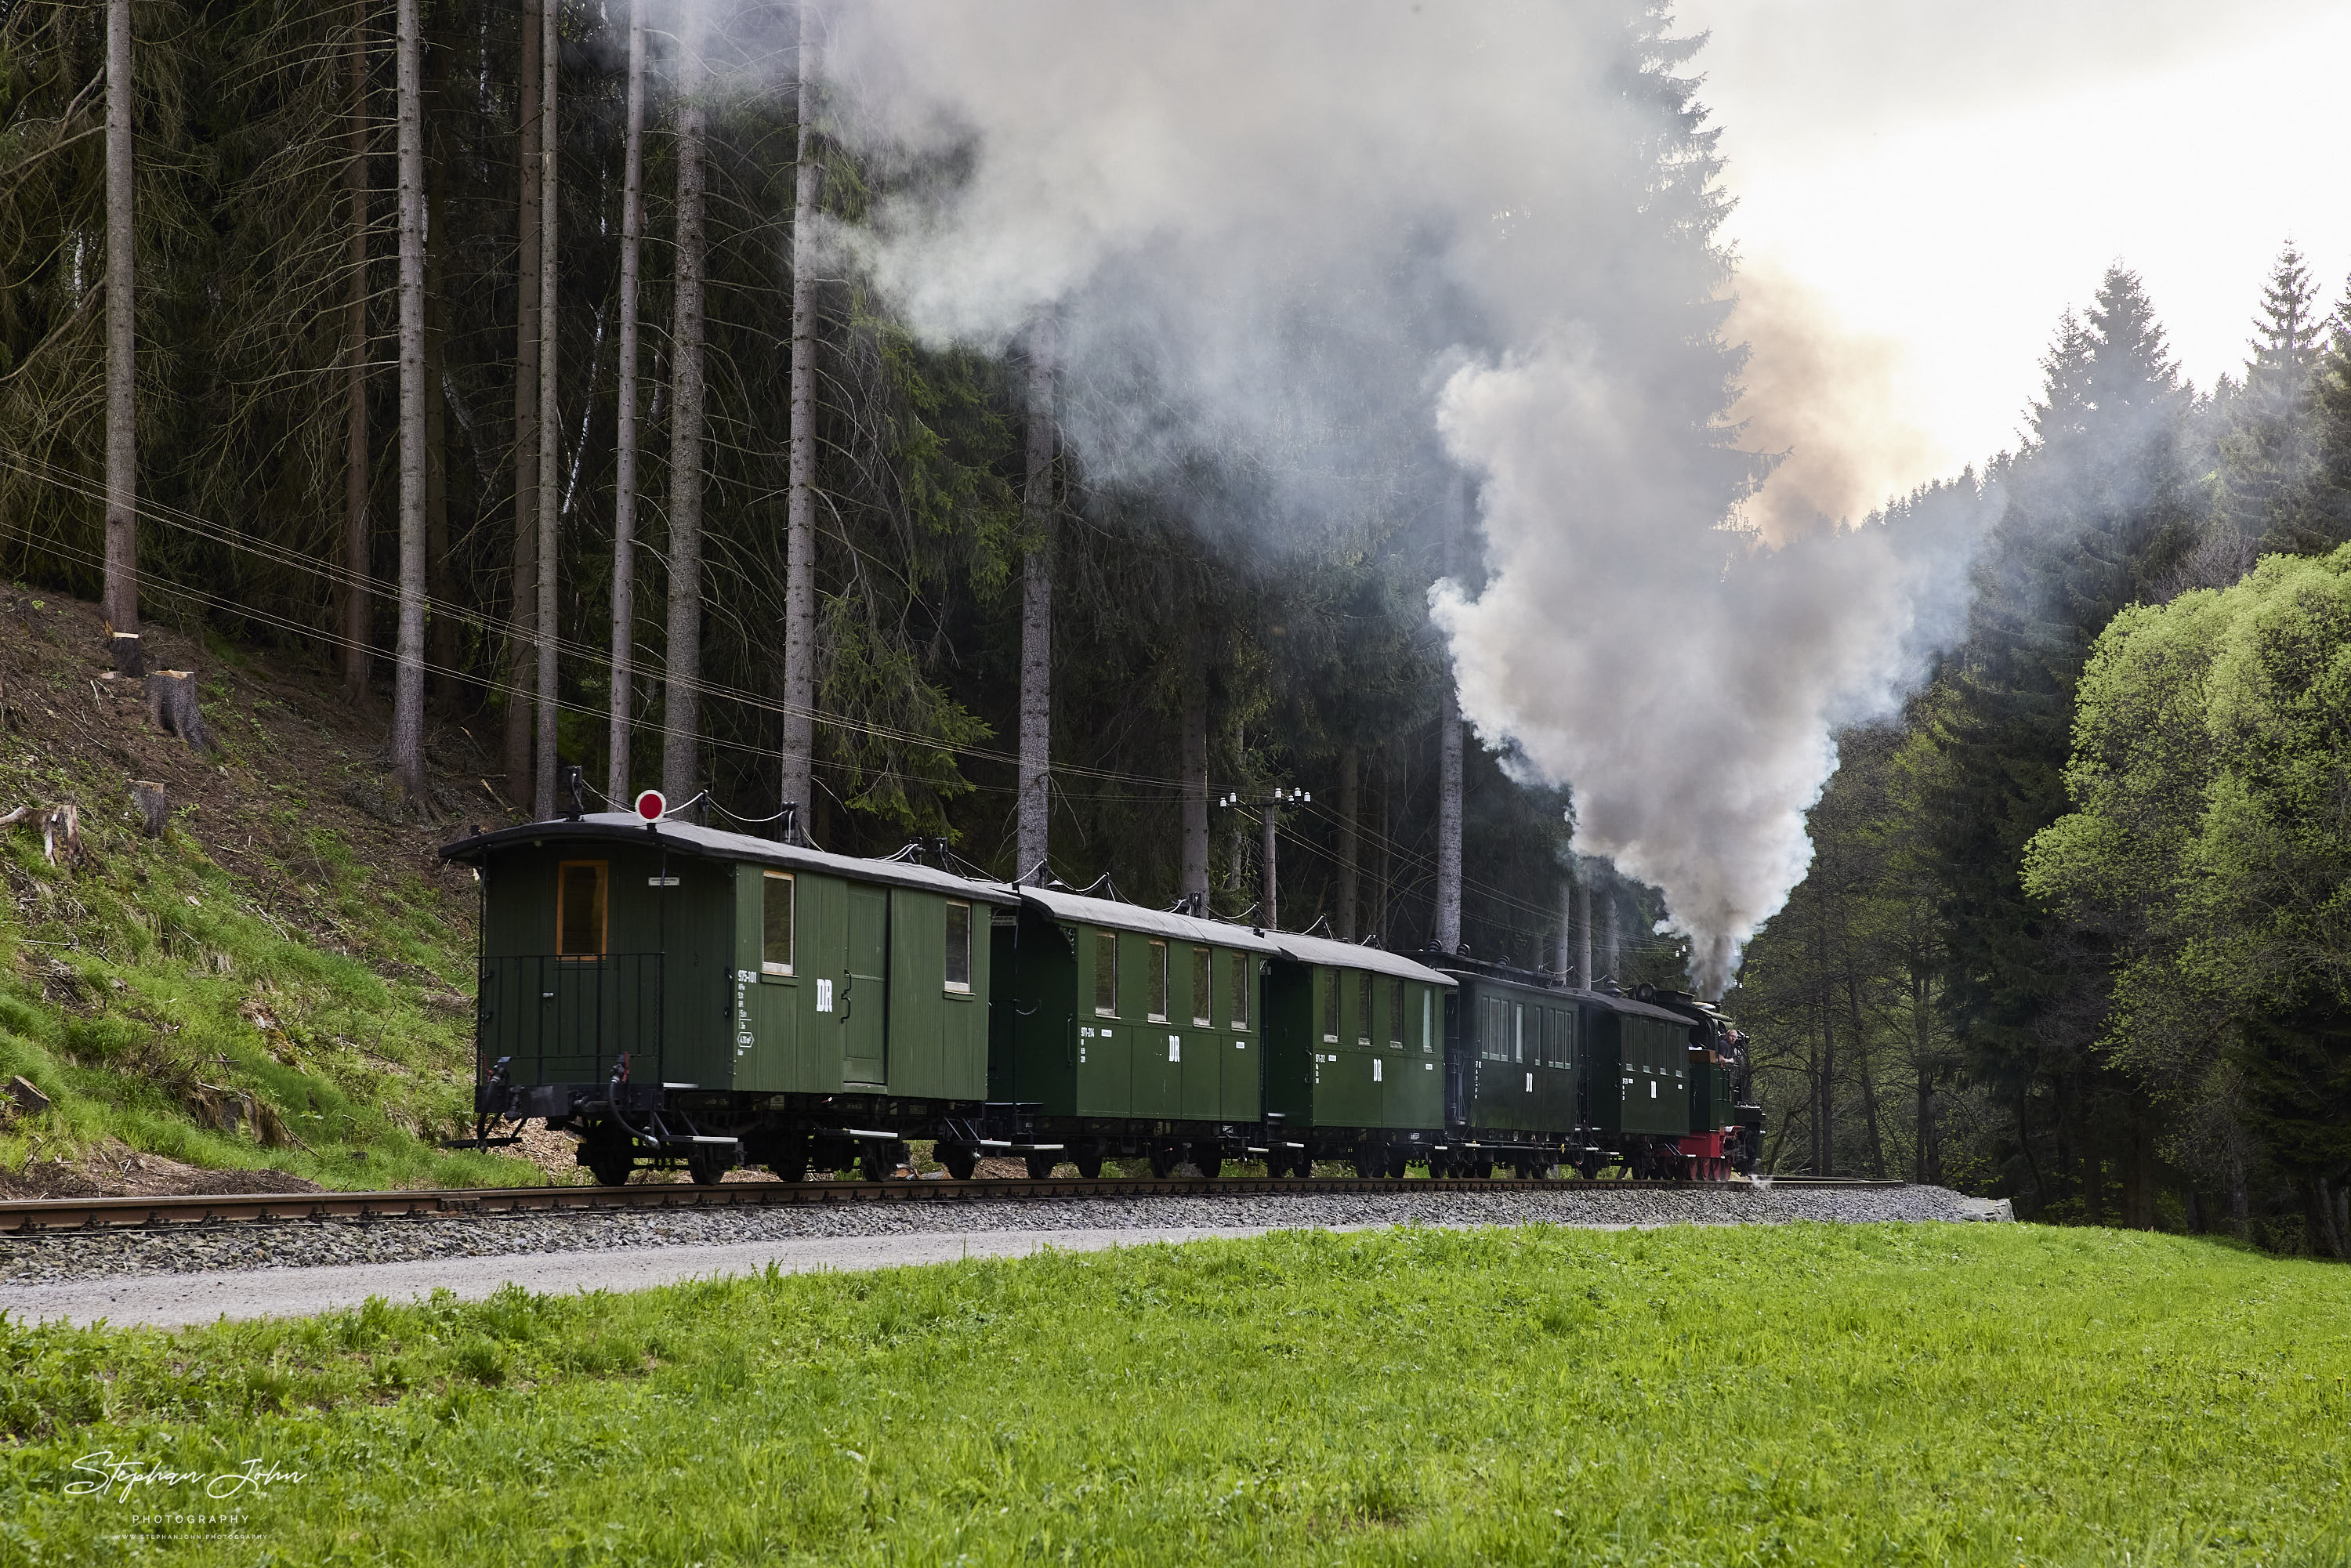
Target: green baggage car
point(682, 995)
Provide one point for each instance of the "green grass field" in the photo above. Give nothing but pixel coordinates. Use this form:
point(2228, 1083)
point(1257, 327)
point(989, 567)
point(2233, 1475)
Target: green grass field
point(1926, 1393)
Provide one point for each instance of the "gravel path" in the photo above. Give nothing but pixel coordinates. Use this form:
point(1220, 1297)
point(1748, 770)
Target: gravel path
point(37, 1260)
point(172, 1300)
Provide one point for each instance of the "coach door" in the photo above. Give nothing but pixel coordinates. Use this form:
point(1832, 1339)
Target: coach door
point(865, 988)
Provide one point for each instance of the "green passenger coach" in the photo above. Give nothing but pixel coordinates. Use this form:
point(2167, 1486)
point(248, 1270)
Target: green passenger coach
point(682, 995)
point(1356, 1056)
point(1138, 1033)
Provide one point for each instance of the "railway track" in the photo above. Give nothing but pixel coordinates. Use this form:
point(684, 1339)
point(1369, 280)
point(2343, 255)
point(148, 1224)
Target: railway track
point(33, 1217)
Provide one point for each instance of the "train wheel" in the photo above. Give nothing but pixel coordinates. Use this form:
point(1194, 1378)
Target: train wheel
point(1370, 1160)
point(790, 1160)
point(611, 1166)
point(1042, 1166)
point(1399, 1161)
point(1485, 1171)
point(705, 1167)
point(873, 1163)
point(1164, 1158)
point(1210, 1158)
point(961, 1160)
point(1089, 1162)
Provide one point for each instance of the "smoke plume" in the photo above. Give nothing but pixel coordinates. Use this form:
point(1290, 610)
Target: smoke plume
point(1348, 249)
point(1825, 394)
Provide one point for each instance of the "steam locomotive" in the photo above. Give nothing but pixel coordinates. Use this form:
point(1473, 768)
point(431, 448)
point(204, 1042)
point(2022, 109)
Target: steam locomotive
point(679, 996)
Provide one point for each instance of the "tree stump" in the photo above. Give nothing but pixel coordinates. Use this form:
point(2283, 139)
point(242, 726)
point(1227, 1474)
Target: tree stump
point(154, 812)
point(172, 704)
point(58, 824)
point(129, 655)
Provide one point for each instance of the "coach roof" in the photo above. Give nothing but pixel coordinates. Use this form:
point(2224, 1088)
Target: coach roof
point(1340, 955)
point(1080, 910)
point(624, 829)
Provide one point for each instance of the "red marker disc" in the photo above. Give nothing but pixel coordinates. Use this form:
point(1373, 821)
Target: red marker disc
point(651, 806)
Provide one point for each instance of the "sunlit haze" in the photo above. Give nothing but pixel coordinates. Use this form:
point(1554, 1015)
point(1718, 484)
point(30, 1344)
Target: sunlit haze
point(1923, 188)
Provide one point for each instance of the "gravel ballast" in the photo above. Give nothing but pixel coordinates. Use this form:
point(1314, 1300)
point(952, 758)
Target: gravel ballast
point(55, 1258)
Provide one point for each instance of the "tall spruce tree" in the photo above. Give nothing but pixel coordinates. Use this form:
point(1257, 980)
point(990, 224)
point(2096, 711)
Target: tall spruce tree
point(2326, 515)
point(2270, 451)
point(2098, 508)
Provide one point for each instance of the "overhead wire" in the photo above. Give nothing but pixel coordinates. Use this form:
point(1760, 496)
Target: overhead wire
point(212, 532)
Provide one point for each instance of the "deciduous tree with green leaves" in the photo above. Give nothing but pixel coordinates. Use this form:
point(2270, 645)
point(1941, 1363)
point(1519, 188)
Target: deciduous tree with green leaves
point(2211, 842)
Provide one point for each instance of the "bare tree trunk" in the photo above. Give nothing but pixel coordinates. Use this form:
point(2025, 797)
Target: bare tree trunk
point(1612, 949)
point(1447, 928)
point(1380, 878)
point(550, 421)
point(1035, 805)
point(1196, 797)
point(408, 685)
point(522, 615)
point(1268, 914)
point(1447, 924)
point(440, 630)
point(1929, 1160)
point(121, 585)
point(1565, 966)
point(1866, 1057)
point(1351, 803)
point(624, 488)
point(2040, 1190)
point(798, 780)
point(1824, 1118)
point(1583, 924)
point(681, 710)
point(357, 543)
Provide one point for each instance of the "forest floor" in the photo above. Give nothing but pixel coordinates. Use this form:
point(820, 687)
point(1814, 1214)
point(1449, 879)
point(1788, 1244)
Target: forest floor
point(276, 993)
point(1795, 1394)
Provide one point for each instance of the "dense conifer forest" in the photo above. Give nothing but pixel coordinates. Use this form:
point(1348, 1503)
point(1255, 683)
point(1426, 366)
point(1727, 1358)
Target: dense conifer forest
point(492, 355)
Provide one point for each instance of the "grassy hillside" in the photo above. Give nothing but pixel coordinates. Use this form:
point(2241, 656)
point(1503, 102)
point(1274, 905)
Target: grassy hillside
point(282, 981)
point(1801, 1394)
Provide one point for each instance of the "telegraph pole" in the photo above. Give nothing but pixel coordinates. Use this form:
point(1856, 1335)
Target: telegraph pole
point(1269, 910)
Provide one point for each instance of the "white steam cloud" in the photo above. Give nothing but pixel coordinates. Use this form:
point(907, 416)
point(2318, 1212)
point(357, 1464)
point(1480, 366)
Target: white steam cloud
point(1348, 248)
point(1685, 680)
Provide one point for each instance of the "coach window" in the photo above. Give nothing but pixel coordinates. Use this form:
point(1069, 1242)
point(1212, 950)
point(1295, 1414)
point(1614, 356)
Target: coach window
point(1203, 993)
point(1330, 1006)
point(959, 948)
point(1244, 966)
point(1158, 959)
point(1567, 1037)
point(1395, 1014)
point(1427, 1022)
point(1517, 1031)
point(580, 908)
point(1106, 974)
point(776, 891)
point(1363, 1014)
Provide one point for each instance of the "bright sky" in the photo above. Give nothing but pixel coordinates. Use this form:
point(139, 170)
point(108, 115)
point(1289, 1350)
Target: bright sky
point(1947, 176)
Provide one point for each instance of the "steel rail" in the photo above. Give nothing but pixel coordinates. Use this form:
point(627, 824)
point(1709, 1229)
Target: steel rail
point(29, 1217)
